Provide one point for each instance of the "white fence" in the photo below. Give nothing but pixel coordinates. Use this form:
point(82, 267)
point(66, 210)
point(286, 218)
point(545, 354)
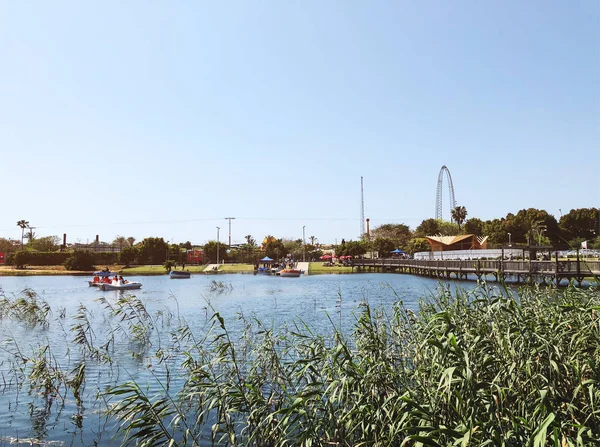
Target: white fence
point(495, 253)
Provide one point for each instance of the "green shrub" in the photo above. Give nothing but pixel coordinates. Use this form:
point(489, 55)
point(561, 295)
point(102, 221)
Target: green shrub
point(20, 259)
point(58, 258)
point(43, 258)
point(168, 265)
point(80, 260)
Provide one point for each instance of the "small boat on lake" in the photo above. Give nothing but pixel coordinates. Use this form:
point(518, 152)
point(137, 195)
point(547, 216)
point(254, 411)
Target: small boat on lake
point(173, 274)
point(290, 273)
point(121, 286)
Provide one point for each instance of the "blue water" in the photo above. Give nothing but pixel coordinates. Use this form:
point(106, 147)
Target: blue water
point(321, 301)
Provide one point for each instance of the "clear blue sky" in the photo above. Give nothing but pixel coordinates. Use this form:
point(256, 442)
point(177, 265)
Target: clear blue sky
point(161, 118)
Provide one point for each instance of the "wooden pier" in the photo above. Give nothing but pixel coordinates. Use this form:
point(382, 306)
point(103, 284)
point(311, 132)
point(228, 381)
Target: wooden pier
point(522, 270)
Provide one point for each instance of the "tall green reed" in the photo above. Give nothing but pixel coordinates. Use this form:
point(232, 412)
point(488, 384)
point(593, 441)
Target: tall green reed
point(471, 368)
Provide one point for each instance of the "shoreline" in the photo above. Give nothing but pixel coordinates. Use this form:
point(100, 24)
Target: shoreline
point(156, 270)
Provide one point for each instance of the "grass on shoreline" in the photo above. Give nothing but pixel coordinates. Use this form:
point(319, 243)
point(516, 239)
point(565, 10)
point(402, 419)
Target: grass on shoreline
point(158, 270)
point(236, 268)
point(317, 268)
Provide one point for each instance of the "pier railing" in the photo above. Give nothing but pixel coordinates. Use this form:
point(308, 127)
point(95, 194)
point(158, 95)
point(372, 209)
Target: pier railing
point(569, 268)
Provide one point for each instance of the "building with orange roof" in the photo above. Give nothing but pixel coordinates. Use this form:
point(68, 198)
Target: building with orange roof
point(460, 242)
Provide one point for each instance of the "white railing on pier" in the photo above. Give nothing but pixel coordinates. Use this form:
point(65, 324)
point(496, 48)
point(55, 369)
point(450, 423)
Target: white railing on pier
point(570, 267)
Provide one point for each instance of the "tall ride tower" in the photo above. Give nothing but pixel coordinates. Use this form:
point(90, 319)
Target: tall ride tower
point(438, 197)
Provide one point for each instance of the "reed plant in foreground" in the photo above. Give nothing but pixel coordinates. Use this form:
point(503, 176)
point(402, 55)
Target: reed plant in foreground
point(477, 367)
point(28, 308)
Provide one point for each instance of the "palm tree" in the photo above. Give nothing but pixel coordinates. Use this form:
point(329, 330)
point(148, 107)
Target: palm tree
point(131, 240)
point(459, 214)
point(250, 240)
point(312, 240)
point(23, 224)
point(120, 241)
point(268, 240)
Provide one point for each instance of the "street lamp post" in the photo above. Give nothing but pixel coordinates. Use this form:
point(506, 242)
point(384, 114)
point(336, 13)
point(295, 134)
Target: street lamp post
point(509, 243)
point(303, 244)
point(229, 219)
point(218, 245)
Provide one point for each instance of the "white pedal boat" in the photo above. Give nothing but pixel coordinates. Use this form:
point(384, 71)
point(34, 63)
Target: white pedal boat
point(126, 286)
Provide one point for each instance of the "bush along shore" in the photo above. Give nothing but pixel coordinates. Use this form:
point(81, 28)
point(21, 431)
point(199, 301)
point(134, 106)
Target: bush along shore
point(478, 367)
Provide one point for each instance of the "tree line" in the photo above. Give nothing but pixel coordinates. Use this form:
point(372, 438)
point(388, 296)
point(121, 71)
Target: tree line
point(526, 227)
point(530, 226)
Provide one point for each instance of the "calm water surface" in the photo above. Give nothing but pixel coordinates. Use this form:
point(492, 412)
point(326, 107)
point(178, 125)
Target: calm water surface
point(319, 300)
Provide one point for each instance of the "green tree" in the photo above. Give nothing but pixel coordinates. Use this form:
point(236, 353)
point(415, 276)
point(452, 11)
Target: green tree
point(268, 238)
point(352, 248)
point(293, 248)
point(275, 249)
point(448, 228)
point(6, 245)
point(429, 227)
point(400, 234)
point(210, 251)
point(581, 223)
point(245, 253)
point(22, 224)
point(121, 242)
point(496, 231)
point(30, 235)
point(176, 252)
point(474, 226)
point(313, 253)
point(250, 240)
point(188, 245)
point(384, 245)
point(168, 265)
point(459, 214)
point(152, 250)
point(527, 224)
point(131, 240)
point(418, 244)
point(127, 255)
point(47, 243)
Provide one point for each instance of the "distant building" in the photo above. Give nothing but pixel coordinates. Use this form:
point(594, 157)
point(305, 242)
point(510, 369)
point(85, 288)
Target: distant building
point(460, 242)
point(101, 247)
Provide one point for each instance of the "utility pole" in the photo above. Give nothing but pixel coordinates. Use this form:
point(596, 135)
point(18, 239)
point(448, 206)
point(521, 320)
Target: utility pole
point(362, 209)
point(229, 219)
point(218, 245)
point(30, 236)
point(303, 244)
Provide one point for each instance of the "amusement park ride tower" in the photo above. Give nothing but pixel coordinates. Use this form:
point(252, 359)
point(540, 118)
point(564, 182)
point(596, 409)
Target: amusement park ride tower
point(438, 197)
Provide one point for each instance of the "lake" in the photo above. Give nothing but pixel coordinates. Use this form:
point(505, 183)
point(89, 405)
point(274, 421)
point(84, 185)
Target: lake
point(321, 301)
